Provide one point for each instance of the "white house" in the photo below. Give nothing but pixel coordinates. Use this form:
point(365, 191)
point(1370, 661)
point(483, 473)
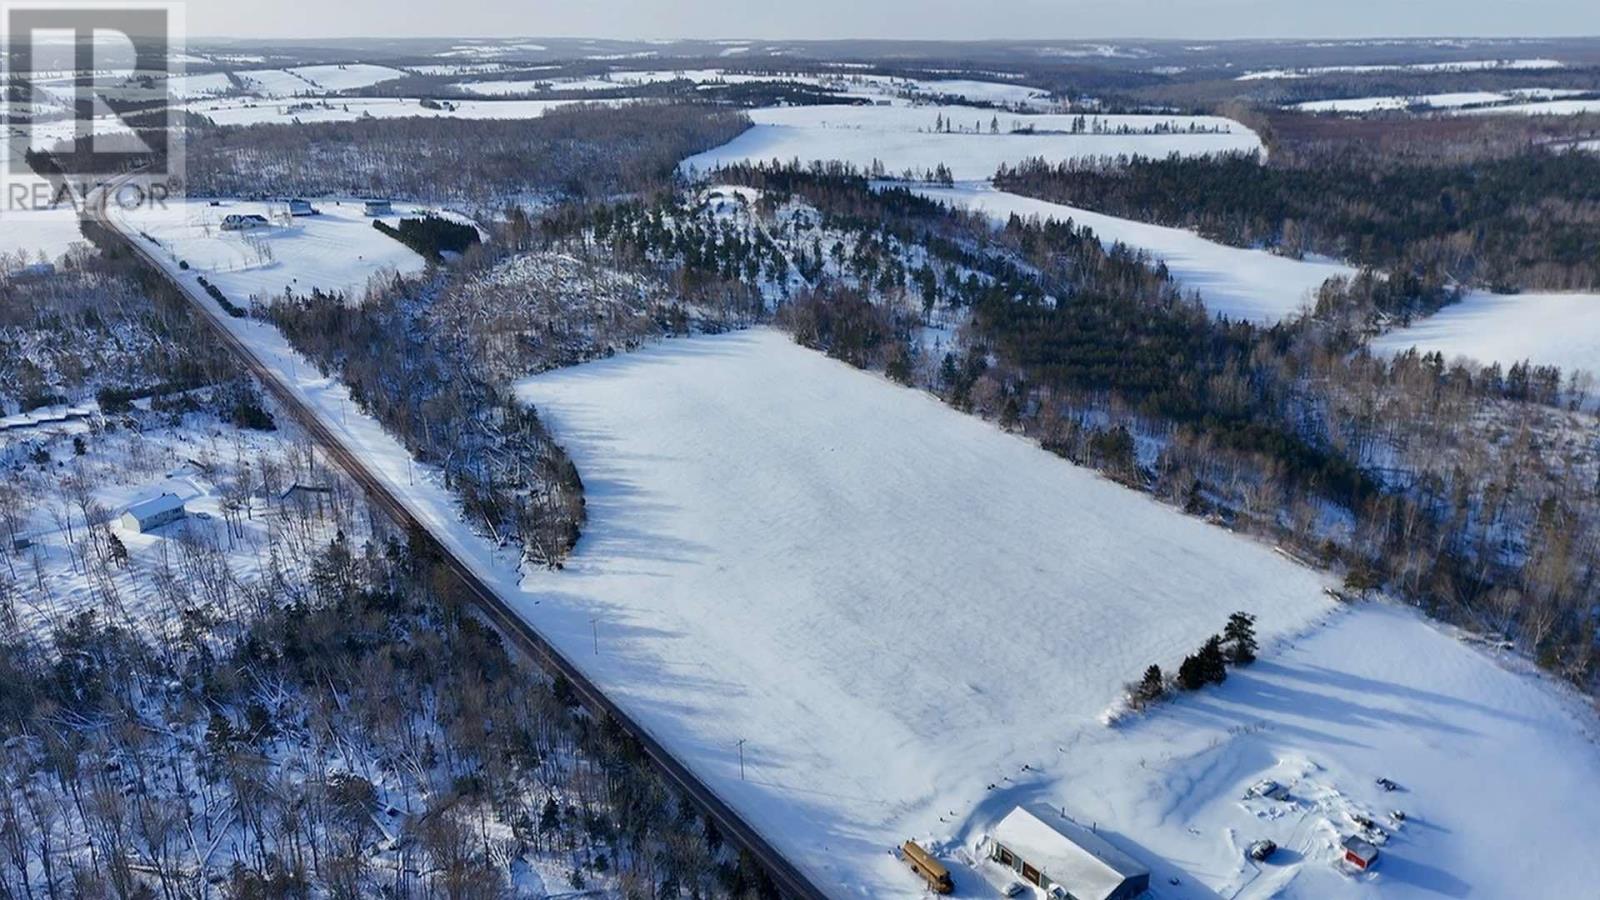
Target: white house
point(1064, 859)
point(148, 515)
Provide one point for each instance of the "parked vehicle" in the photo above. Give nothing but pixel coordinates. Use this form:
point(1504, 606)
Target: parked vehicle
point(931, 870)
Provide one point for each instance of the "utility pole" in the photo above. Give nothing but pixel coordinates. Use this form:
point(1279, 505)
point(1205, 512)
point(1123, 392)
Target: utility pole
point(741, 758)
point(594, 624)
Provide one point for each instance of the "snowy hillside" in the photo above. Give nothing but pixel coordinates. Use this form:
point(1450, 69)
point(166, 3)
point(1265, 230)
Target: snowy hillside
point(1244, 284)
point(912, 648)
point(978, 142)
point(879, 632)
point(899, 608)
point(249, 111)
point(1548, 329)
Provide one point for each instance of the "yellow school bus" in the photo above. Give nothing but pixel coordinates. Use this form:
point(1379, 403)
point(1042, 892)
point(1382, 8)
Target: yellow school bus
point(931, 870)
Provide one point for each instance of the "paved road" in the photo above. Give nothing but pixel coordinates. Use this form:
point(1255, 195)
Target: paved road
point(789, 879)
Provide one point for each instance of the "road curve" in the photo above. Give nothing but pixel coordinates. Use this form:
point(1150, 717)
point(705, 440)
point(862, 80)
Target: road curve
point(789, 879)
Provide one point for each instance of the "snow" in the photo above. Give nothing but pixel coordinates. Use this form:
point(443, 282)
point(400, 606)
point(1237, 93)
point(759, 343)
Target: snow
point(188, 87)
point(348, 77)
point(879, 631)
point(1544, 108)
point(1373, 104)
point(338, 250)
point(984, 91)
point(1066, 852)
point(313, 80)
point(898, 606)
point(1476, 65)
point(903, 137)
point(1549, 329)
point(1240, 283)
point(30, 223)
point(1487, 758)
point(255, 112)
point(276, 83)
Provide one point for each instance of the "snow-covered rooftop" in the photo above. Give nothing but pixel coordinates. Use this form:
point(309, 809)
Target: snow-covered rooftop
point(1068, 853)
point(155, 506)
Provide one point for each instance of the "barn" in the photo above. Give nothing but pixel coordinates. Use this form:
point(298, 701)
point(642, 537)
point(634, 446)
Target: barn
point(1063, 858)
point(149, 515)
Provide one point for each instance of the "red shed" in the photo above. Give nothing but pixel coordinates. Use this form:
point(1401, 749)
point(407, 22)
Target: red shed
point(1359, 853)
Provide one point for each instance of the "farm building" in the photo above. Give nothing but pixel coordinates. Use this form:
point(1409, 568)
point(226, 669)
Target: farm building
point(298, 207)
point(1359, 853)
point(1065, 859)
point(151, 514)
point(376, 208)
point(236, 222)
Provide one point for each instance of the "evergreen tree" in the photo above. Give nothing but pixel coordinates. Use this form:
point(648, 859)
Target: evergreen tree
point(1191, 674)
point(1240, 636)
point(1208, 666)
point(1213, 661)
point(1150, 688)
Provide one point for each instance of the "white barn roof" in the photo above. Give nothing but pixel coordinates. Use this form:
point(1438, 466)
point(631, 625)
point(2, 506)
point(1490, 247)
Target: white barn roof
point(1069, 854)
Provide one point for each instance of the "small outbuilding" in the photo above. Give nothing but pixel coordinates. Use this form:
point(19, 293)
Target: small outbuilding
point(147, 516)
point(1063, 858)
point(1359, 853)
point(298, 207)
point(378, 208)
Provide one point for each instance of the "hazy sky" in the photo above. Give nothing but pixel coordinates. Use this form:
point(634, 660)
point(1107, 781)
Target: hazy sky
point(953, 19)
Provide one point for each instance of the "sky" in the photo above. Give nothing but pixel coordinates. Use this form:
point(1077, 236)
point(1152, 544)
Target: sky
point(906, 19)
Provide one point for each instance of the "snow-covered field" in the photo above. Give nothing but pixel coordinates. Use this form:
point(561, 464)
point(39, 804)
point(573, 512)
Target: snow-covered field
point(1476, 65)
point(897, 606)
point(255, 112)
point(1548, 329)
point(311, 80)
point(1540, 108)
point(30, 223)
point(338, 250)
point(349, 76)
point(876, 87)
point(1515, 100)
point(893, 638)
point(904, 137)
point(1374, 104)
point(1239, 283)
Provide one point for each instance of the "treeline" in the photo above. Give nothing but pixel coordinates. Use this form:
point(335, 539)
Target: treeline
point(577, 151)
point(1530, 221)
point(352, 733)
point(432, 236)
point(1461, 489)
point(101, 322)
point(515, 483)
